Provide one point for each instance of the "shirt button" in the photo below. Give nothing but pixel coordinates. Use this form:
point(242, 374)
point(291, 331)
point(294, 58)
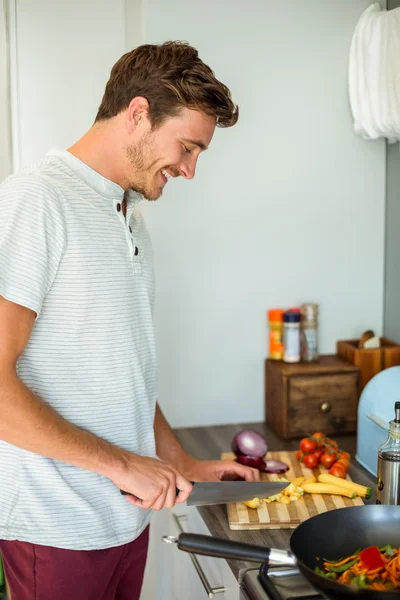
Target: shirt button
point(136, 250)
point(118, 207)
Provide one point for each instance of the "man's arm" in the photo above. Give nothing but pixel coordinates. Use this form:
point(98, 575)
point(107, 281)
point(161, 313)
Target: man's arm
point(30, 423)
point(170, 450)
point(167, 446)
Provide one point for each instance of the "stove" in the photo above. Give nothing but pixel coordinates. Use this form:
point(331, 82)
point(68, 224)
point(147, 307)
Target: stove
point(277, 584)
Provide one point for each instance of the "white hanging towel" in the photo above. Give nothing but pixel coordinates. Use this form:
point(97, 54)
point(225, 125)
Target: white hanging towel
point(374, 74)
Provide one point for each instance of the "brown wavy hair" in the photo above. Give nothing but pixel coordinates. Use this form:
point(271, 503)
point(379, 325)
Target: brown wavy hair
point(170, 76)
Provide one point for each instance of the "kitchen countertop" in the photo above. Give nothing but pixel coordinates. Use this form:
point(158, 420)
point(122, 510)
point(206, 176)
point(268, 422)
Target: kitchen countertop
point(210, 442)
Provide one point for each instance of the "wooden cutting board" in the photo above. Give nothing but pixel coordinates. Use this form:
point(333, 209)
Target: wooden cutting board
point(285, 516)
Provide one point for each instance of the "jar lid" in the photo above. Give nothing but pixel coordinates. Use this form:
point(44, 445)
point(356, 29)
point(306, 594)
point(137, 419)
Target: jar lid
point(291, 317)
point(310, 310)
point(275, 314)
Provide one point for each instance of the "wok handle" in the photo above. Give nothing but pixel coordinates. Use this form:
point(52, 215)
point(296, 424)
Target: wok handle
point(221, 548)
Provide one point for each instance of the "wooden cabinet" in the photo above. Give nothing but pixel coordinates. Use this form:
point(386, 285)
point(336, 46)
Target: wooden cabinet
point(305, 397)
point(171, 573)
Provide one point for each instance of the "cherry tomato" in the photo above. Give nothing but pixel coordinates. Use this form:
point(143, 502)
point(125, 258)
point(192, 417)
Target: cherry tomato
point(344, 455)
point(319, 437)
point(310, 460)
point(308, 445)
point(337, 471)
point(345, 464)
point(318, 453)
point(332, 443)
point(299, 455)
point(328, 459)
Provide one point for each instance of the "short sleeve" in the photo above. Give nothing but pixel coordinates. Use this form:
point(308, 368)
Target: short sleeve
point(32, 239)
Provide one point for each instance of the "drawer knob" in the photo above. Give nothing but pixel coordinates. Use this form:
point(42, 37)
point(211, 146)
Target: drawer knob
point(325, 407)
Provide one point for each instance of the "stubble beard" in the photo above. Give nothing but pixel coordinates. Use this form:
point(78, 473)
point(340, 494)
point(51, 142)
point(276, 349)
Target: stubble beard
point(138, 157)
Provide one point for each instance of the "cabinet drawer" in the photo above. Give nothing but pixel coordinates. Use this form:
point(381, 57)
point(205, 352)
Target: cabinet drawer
point(327, 403)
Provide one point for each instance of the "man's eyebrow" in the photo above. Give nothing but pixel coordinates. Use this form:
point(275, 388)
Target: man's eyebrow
point(198, 143)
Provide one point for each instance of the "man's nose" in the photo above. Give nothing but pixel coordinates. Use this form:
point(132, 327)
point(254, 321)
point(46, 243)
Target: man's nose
point(188, 169)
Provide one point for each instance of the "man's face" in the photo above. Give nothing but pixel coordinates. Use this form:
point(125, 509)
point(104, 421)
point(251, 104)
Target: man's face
point(170, 150)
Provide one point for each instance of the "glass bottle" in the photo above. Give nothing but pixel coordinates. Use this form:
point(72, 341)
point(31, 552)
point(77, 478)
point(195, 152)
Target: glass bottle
point(275, 319)
point(388, 476)
point(291, 336)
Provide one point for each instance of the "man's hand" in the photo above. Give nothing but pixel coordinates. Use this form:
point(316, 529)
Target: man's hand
point(152, 483)
point(217, 470)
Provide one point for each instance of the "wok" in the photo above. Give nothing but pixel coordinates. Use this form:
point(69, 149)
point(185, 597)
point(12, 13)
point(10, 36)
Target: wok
point(332, 535)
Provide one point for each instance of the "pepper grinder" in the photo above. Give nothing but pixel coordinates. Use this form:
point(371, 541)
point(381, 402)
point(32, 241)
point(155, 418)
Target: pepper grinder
point(388, 479)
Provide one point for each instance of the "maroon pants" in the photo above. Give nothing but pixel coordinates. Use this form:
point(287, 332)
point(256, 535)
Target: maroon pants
point(36, 572)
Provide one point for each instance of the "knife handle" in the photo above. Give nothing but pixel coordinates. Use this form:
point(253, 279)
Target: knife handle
point(136, 498)
point(129, 494)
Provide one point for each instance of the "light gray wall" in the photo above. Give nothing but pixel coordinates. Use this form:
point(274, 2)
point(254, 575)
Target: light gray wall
point(5, 113)
point(392, 262)
point(286, 207)
point(65, 53)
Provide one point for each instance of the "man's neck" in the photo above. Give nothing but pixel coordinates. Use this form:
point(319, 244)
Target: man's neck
point(98, 150)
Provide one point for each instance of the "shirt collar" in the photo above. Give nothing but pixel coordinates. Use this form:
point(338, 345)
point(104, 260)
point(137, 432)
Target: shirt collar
point(103, 186)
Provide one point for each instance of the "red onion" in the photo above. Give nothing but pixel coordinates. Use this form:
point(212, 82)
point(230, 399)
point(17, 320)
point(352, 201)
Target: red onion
point(251, 461)
point(275, 466)
point(249, 443)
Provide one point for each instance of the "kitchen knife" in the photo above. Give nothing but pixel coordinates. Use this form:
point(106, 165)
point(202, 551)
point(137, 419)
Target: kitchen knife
point(224, 492)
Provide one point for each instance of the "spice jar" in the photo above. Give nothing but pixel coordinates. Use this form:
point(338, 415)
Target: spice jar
point(275, 321)
point(309, 332)
point(291, 336)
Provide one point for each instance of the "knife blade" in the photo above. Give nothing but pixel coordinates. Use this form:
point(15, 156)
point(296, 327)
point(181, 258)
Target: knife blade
point(224, 492)
point(207, 493)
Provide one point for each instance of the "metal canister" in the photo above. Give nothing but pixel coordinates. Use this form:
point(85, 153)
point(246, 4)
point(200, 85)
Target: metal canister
point(309, 332)
point(388, 475)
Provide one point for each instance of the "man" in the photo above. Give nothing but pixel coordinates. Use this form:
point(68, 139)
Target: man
point(78, 414)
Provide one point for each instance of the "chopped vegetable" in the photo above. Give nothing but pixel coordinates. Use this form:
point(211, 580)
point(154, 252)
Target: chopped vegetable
point(341, 567)
point(251, 461)
point(249, 443)
point(330, 575)
point(388, 549)
point(371, 558)
point(275, 466)
point(372, 568)
point(255, 503)
point(290, 494)
point(360, 581)
point(298, 481)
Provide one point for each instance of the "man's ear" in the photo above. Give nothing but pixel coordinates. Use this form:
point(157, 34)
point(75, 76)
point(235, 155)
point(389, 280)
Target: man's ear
point(137, 113)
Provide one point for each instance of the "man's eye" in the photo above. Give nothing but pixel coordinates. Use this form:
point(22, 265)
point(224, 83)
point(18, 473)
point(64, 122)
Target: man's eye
point(186, 149)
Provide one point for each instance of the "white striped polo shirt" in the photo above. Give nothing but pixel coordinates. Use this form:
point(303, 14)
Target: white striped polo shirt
point(68, 253)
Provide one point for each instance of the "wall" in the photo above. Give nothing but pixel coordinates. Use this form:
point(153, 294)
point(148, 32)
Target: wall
point(65, 52)
point(5, 125)
point(287, 206)
point(392, 279)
